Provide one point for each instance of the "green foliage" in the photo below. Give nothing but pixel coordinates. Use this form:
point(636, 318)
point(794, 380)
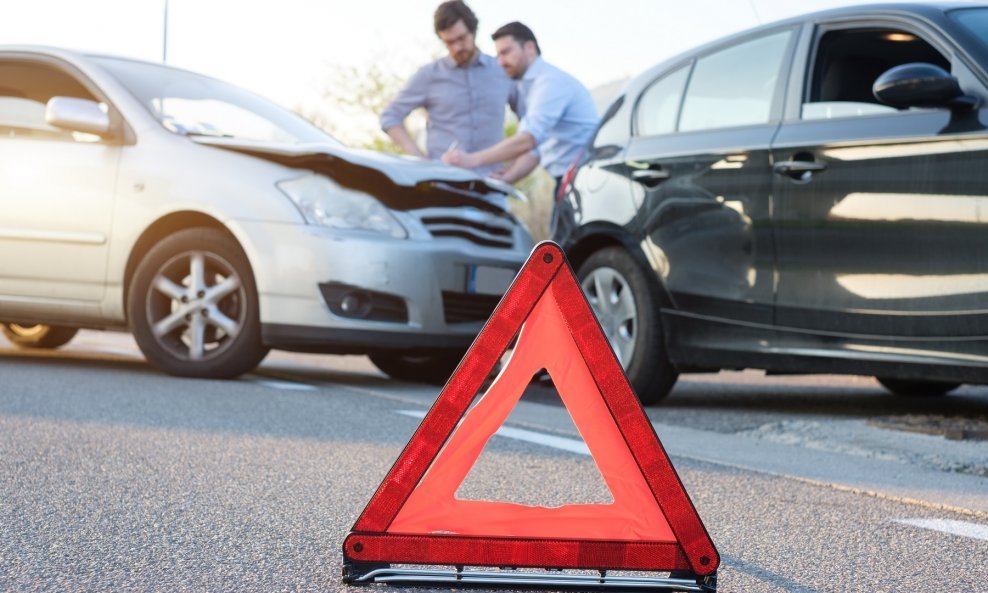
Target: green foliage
point(351, 102)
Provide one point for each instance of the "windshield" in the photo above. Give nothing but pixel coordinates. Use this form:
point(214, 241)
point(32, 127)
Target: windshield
point(192, 104)
point(974, 20)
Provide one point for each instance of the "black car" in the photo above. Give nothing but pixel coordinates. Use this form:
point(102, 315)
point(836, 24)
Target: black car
point(810, 196)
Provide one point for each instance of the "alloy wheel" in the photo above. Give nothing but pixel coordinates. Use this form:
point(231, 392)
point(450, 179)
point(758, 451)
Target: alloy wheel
point(613, 303)
point(196, 305)
point(27, 331)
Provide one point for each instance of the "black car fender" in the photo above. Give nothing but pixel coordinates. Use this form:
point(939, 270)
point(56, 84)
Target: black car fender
point(587, 239)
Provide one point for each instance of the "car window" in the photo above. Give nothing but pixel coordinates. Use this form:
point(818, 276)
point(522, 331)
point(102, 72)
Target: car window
point(25, 89)
point(974, 20)
point(736, 86)
point(192, 104)
point(848, 62)
point(659, 104)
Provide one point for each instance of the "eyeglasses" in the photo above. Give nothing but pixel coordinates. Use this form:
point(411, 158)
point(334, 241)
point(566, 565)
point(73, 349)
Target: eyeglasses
point(455, 40)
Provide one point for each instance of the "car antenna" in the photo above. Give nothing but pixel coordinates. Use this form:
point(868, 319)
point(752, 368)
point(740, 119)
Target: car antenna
point(751, 3)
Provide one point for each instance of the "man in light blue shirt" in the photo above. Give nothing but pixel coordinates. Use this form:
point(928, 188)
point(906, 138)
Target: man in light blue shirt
point(558, 116)
point(463, 93)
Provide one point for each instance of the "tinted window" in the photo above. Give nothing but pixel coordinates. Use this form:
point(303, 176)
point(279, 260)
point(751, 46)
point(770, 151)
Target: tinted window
point(735, 87)
point(849, 60)
point(25, 89)
point(659, 104)
point(974, 20)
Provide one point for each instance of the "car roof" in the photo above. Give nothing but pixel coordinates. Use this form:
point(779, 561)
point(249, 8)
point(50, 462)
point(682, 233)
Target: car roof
point(926, 10)
point(50, 50)
point(77, 56)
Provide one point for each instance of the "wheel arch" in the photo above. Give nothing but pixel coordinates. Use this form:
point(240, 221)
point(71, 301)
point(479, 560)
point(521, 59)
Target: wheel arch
point(596, 236)
point(163, 227)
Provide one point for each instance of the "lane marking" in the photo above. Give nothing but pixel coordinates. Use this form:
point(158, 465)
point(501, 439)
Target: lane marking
point(82, 348)
point(745, 467)
point(961, 528)
point(285, 385)
point(577, 446)
point(529, 436)
point(936, 506)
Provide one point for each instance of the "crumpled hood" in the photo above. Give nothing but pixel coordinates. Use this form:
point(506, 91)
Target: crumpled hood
point(401, 170)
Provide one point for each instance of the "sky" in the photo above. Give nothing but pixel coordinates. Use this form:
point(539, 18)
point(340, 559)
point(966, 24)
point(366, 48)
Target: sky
point(289, 50)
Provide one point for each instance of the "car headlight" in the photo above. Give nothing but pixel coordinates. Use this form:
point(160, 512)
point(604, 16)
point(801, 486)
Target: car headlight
point(324, 202)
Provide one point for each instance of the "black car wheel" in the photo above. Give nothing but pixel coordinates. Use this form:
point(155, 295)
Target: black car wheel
point(434, 368)
point(917, 388)
point(627, 308)
point(193, 306)
point(38, 335)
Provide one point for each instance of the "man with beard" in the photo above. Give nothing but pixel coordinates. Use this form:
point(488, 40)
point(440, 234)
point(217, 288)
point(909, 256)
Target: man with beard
point(464, 93)
point(558, 116)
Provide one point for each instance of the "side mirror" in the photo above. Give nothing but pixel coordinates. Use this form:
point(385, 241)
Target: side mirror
point(77, 115)
point(920, 85)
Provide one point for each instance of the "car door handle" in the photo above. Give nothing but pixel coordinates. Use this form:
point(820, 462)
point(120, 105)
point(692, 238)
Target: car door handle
point(798, 169)
point(650, 176)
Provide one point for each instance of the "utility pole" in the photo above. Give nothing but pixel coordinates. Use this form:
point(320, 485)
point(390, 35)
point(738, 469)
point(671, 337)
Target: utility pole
point(164, 40)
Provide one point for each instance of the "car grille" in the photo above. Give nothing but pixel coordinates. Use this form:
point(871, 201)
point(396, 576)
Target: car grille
point(480, 228)
point(461, 307)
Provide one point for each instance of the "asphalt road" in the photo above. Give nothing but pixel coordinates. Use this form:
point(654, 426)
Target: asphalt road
point(116, 477)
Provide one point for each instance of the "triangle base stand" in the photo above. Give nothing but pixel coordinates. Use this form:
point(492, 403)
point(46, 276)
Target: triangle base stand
point(359, 573)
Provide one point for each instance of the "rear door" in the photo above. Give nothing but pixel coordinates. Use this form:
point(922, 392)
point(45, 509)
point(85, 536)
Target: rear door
point(699, 168)
point(56, 196)
point(882, 215)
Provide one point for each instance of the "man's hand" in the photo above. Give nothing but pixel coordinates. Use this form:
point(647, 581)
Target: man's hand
point(498, 174)
point(403, 139)
point(458, 158)
point(517, 169)
point(505, 150)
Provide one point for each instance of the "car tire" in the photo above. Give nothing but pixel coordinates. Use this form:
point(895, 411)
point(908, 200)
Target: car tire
point(433, 368)
point(38, 335)
point(627, 307)
point(917, 388)
point(193, 306)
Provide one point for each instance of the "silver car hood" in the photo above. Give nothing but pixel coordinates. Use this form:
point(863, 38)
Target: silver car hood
point(401, 170)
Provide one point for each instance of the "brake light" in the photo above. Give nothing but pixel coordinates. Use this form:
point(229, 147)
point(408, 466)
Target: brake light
point(568, 178)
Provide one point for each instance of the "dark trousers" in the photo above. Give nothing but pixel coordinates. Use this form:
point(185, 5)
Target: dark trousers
point(553, 224)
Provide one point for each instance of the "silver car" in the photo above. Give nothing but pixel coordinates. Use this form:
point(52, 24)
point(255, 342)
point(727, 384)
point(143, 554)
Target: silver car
point(216, 225)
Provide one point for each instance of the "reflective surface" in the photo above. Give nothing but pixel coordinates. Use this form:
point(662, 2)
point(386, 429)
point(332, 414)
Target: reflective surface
point(839, 235)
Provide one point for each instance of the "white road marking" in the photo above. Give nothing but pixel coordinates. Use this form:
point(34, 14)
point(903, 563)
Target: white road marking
point(121, 352)
point(529, 436)
point(285, 385)
point(961, 528)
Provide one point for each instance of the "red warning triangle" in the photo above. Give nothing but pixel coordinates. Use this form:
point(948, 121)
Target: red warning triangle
point(415, 517)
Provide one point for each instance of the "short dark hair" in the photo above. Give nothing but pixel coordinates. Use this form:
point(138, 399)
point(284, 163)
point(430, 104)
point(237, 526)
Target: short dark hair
point(452, 11)
point(520, 32)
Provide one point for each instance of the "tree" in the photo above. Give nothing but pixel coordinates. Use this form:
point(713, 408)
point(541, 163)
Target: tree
point(351, 103)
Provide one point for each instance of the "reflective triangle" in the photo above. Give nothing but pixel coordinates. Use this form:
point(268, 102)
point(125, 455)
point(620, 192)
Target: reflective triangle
point(414, 516)
point(544, 342)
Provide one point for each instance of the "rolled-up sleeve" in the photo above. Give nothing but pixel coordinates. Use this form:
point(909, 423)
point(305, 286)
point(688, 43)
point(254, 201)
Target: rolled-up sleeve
point(545, 106)
point(412, 96)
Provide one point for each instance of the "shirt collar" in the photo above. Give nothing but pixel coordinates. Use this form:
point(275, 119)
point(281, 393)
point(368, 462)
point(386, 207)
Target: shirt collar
point(534, 69)
point(479, 59)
